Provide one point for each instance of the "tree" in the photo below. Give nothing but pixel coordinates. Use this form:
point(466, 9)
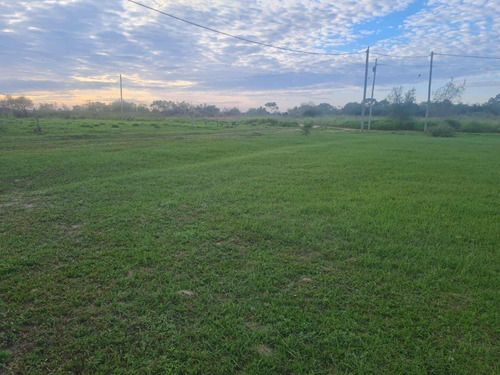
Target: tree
point(352, 109)
point(95, 107)
point(158, 105)
point(402, 105)
point(271, 107)
point(47, 109)
point(206, 110)
point(257, 112)
point(493, 105)
point(381, 108)
point(231, 111)
point(18, 106)
point(142, 108)
point(451, 92)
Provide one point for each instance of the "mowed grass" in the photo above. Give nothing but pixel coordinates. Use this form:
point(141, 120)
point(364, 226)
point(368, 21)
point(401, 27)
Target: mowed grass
point(143, 250)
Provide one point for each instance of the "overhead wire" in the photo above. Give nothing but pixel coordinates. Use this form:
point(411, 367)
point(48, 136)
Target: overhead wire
point(468, 56)
point(400, 56)
point(299, 50)
point(241, 38)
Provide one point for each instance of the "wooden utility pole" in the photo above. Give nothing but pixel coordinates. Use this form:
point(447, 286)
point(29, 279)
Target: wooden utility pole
point(428, 94)
point(121, 96)
point(371, 100)
point(364, 90)
point(38, 128)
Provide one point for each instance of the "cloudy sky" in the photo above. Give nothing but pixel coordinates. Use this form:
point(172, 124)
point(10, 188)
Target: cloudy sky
point(70, 51)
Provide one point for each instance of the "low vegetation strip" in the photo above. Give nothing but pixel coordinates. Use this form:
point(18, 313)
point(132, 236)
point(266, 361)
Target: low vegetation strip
point(135, 250)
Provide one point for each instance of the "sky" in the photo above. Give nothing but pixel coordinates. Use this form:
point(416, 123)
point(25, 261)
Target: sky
point(71, 51)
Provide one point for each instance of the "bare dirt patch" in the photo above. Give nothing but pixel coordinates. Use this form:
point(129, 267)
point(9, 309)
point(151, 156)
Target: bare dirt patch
point(256, 327)
point(70, 229)
point(187, 293)
point(264, 350)
point(21, 201)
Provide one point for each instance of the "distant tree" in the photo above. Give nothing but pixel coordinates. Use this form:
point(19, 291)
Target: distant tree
point(142, 108)
point(312, 110)
point(271, 107)
point(23, 104)
point(451, 92)
point(232, 112)
point(352, 109)
point(95, 107)
point(495, 99)
point(52, 106)
point(206, 110)
point(170, 108)
point(47, 109)
point(159, 105)
point(328, 109)
point(256, 112)
point(493, 105)
point(4, 108)
point(381, 108)
point(402, 105)
point(116, 107)
point(18, 106)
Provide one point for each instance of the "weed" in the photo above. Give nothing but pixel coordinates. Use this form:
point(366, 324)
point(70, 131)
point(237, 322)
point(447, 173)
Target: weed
point(442, 130)
point(454, 123)
point(306, 128)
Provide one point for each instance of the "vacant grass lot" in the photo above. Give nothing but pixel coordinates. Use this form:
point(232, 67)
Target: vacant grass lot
point(132, 248)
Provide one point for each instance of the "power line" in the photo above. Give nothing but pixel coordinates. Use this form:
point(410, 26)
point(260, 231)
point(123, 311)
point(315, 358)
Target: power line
point(241, 38)
point(469, 56)
point(400, 56)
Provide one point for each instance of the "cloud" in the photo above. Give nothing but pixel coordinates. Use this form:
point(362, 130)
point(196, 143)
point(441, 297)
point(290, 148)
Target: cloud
point(81, 46)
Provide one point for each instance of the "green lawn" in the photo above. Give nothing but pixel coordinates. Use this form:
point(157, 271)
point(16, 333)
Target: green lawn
point(166, 249)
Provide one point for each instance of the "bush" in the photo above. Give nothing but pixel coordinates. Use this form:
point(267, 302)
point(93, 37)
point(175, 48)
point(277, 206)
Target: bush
point(477, 127)
point(392, 124)
point(455, 124)
point(288, 123)
point(443, 130)
point(306, 128)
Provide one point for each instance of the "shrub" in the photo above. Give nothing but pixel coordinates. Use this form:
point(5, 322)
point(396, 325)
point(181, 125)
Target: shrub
point(306, 128)
point(455, 124)
point(392, 124)
point(477, 127)
point(288, 123)
point(442, 130)
point(407, 125)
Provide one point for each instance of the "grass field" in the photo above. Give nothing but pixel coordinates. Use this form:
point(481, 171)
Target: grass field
point(132, 248)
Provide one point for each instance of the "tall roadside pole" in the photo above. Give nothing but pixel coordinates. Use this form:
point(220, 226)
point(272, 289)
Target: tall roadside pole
point(121, 96)
point(428, 94)
point(371, 100)
point(364, 90)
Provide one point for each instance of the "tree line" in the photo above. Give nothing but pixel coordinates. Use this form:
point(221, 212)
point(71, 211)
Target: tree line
point(398, 104)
